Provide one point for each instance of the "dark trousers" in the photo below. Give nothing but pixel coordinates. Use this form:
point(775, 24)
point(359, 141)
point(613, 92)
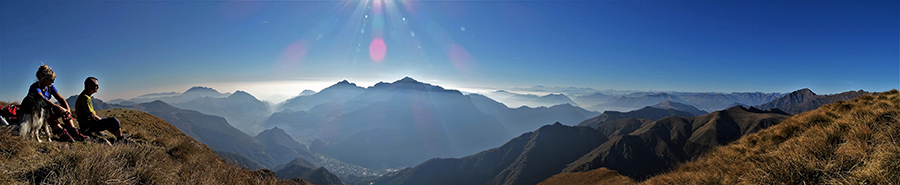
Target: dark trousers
point(100, 125)
point(53, 119)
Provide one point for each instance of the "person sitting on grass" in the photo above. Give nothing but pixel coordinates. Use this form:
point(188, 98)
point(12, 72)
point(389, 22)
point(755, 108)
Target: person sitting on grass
point(44, 87)
point(88, 119)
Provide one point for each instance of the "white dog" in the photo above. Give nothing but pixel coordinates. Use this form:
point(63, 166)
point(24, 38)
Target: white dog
point(34, 118)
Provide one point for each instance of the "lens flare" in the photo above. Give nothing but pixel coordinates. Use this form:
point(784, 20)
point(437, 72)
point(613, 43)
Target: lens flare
point(377, 49)
point(460, 58)
point(292, 56)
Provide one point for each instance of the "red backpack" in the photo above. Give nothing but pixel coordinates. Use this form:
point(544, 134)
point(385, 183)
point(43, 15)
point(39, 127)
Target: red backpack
point(9, 113)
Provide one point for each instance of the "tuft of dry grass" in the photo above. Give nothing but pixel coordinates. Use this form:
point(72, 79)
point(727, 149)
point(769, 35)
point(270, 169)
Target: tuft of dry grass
point(160, 155)
point(596, 176)
point(847, 142)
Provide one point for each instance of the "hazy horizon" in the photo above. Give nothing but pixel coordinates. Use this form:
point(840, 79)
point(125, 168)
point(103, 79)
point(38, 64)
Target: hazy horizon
point(276, 49)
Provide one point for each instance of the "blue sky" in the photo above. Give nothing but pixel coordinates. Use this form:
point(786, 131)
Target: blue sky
point(275, 49)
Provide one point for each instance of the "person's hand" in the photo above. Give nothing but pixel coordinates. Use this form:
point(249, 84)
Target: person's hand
point(65, 111)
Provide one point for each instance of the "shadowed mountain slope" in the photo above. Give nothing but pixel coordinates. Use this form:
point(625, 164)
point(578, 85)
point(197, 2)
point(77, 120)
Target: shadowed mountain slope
point(211, 130)
point(160, 154)
point(282, 147)
point(635, 148)
point(658, 145)
point(847, 142)
point(307, 170)
point(239, 160)
point(652, 113)
point(805, 100)
point(527, 159)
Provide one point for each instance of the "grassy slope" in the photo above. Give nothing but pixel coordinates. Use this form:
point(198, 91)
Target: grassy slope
point(161, 155)
point(847, 142)
point(596, 176)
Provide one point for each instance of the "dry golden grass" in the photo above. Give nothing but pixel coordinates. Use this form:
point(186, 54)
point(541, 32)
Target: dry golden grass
point(847, 142)
point(160, 155)
point(596, 176)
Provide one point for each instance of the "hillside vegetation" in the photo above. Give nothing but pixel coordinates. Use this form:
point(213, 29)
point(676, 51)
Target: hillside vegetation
point(160, 154)
point(846, 142)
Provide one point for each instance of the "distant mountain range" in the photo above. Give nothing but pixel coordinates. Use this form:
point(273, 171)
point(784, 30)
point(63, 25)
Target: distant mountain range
point(703, 101)
point(655, 112)
point(680, 106)
point(405, 122)
point(598, 101)
point(593, 99)
point(526, 119)
point(515, 100)
point(173, 97)
point(338, 93)
point(399, 124)
point(242, 110)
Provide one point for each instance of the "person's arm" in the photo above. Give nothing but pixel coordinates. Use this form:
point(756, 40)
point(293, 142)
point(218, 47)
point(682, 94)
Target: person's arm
point(95, 116)
point(62, 102)
point(37, 91)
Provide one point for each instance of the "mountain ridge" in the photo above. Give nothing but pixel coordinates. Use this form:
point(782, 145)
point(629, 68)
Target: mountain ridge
point(211, 130)
point(507, 164)
point(845, 142)
point(665, 142)
point(806, 100)
point(649, 112)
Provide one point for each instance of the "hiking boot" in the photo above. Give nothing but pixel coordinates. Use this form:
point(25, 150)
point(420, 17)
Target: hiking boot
point(76, 134)
point(63, 135)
